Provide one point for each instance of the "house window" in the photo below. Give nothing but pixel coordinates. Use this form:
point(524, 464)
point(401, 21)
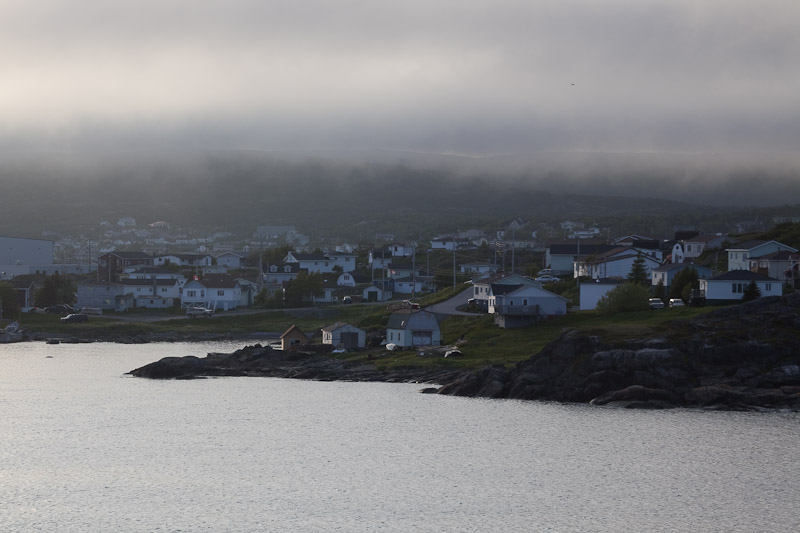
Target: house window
point(768, 287)
point(190, 294)
point(220, 293)
point(524, 302)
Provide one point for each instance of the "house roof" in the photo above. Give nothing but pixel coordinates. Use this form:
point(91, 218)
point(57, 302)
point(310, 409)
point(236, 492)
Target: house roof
point(742, 275)
point(705, 238)
point(669, 267)
point(148, 282)
point(401, 319)
point(310, 257)
point(131, 255)
point(783, 255)
point(538, 291)
point(337, 325)
point(293, 330)
point(499, 289)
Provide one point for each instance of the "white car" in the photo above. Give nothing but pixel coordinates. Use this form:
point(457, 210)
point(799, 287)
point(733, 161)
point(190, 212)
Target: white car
point(676, 302)
point(547, 279)
point(193, 312)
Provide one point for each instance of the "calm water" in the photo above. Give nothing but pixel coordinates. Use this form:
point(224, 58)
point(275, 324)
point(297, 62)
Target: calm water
point(85, 448)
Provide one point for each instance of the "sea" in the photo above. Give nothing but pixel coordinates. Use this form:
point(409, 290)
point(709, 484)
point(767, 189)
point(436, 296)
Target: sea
point(85, 447)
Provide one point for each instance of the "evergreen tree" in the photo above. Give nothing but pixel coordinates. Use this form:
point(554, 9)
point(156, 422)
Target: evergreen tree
point(751, 292)
point(686, 277)
point(638, 273)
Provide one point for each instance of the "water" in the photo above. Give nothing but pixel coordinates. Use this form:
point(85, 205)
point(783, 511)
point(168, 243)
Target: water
point(85, 448)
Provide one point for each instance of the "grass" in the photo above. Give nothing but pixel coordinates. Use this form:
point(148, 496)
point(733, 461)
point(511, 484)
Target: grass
point(480, 341)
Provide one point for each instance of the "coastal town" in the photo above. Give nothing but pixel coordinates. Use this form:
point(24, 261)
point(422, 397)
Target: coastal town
point(517, 275)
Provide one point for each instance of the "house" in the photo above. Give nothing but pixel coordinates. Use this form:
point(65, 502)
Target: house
point(695, 246)
point(150, 272)
point(482, 288)
point(111, 264)
point(106, 296)
point(666, 273)
point(215, 291)
point(592, 291)
point(775, 265)
point(152, 293)
point(403, 269)
point(617, 263)
point(413, 327)
point(739, 255)
point(560, 256)
point(281, 273)
point(184, 260)
point(346, 261)
point(348, 279)
point(26, 289)
point(311, 262)
point(293, 337)
point(401, 250)
point(378, 291)
point(344, 336)
point(380, 259)
point(413, 284)
point(329, 288)
point(730, 286)
point(522, 305)
point(229, 260)
point(478, 268)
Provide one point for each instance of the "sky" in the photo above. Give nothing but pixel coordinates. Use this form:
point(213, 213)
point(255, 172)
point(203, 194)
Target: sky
point(465, 77)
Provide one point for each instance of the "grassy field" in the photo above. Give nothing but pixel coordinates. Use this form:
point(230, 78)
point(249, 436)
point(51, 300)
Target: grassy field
point(481, 342)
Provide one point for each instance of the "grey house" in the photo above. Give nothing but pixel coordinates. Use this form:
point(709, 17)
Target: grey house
point(413, 327)
point(344, 336)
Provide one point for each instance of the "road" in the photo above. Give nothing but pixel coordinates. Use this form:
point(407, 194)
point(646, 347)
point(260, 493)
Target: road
point(448, 307)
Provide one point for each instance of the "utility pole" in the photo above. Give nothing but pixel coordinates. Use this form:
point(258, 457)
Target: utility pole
point(454, 264)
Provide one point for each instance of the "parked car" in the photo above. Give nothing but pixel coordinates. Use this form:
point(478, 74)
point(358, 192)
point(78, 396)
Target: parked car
point(196, 311)
point(656, 303)
point(547, 279)
point(676, 302)
point(74, 318)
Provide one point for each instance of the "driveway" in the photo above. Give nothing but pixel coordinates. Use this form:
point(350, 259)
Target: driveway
point(448, 307)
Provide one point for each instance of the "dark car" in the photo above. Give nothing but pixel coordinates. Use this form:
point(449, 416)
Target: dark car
point(74, 317)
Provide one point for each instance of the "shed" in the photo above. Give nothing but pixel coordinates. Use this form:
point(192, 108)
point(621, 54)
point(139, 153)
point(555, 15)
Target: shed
point(344, 336)
point(293, 337)
point(413, 327)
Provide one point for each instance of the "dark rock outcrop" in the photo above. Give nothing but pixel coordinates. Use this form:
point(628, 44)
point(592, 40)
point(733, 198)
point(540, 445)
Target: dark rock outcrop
point(741, 357)
point(263, 361)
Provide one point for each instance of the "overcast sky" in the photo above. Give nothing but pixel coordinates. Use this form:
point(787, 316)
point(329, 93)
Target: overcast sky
point(462, 76)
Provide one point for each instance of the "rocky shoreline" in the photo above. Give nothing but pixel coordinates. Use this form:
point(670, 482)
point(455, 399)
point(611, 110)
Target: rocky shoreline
point(263, 361)
point(745, 357)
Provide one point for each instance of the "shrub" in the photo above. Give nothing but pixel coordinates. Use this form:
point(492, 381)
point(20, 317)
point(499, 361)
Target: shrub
point(624, 298)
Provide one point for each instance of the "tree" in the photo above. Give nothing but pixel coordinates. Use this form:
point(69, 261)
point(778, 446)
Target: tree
point(8, 298)
point(687, 276)
point(626, 297)
point(638, 273)
point(751, 292)
point(55, 290)
point(303, 288)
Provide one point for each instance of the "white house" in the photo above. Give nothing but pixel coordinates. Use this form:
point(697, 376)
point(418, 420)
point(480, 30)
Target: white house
point(281, 273)
point(311, 262)
point(184, 260)
point(344, 336)
point(739, 256)
point(666, 273)
point(413, 327)
point(152, 293)
point(216, 291)
point(482, 288)
point(230, 260)
point(517, 306)
point(776, 265)
point(618, 262)
point(401, 250)
point(378, 292)
point(478, 268)
point(694, 247)
point(412, 285)
point(347, 261)
point(730, 286)
point(348, 279)
point(592, 291)
point(560, 256)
